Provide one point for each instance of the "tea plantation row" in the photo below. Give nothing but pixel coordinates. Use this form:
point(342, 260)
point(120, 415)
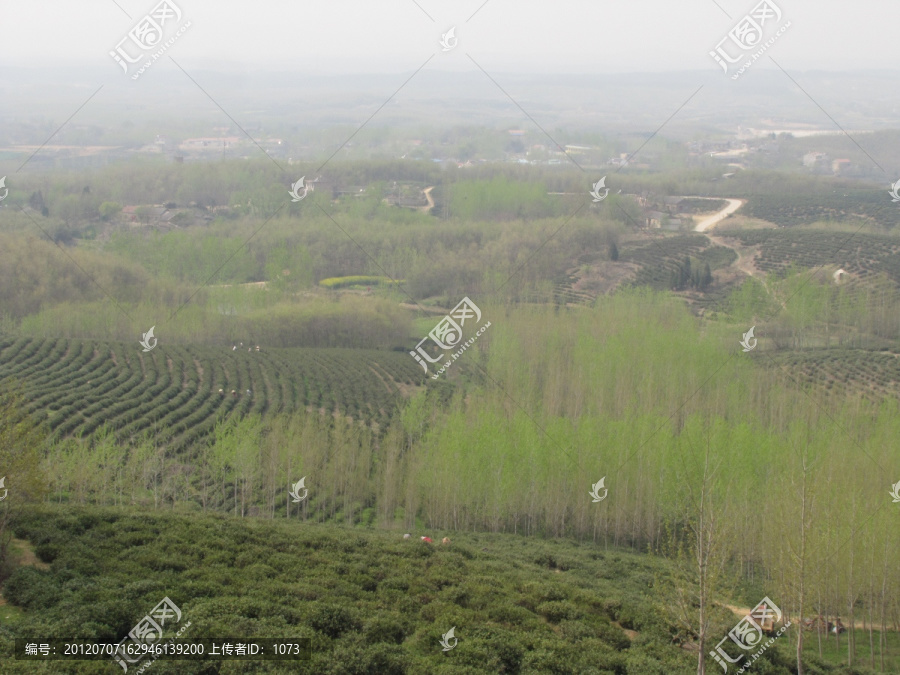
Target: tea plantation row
point(862, 255)
point(79, 385)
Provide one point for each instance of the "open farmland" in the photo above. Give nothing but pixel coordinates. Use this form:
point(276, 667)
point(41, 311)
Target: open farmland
point(79, 386)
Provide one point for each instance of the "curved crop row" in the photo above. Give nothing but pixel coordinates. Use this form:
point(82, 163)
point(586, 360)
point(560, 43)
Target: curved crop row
point(78, 386)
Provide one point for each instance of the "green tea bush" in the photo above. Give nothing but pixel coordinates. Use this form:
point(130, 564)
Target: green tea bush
point(32, 589)
point(384, 628)
point(47, 552)
point(333, 620)
point(506, 612)
point(299, 579)
point(356, 658)
point(557, 611)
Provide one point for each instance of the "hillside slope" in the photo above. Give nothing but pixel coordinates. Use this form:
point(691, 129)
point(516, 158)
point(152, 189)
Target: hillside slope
point(77, 386)
point(370, 602)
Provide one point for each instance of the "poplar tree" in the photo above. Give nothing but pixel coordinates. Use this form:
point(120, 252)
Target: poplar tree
point(20, 463)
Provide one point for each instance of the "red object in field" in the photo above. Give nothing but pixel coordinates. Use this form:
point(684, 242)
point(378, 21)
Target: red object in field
point(428, 540)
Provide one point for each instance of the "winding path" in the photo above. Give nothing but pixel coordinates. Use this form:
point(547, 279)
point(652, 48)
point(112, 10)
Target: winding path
point(427, 191)
point(745, 265)
point(711, 221)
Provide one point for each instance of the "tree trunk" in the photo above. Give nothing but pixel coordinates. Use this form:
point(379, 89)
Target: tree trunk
point(819, 620)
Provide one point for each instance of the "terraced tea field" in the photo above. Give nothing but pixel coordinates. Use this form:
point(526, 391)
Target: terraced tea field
point(79, 385)
point(841, 205)
point(658, 258)
point(862, 255)
point(870, 374)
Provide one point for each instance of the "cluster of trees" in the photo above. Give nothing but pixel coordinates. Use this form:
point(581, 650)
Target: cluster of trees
point(162, 271)
point(809, 310)
point(502, 199)
point(21, 445)
point(684, 275)
point(258, 189)
point(348, 321)
point(35, 274)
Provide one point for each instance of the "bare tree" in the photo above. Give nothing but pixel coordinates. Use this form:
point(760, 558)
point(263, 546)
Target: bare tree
point(702, 543)
point(22, 479)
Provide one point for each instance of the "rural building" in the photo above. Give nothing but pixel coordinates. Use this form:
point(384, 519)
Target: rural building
point(811, 160)
point(211, 144)
point(654, 218)
point(840, 165)
point(155, 215)
point(324, 186)
point(672, 203)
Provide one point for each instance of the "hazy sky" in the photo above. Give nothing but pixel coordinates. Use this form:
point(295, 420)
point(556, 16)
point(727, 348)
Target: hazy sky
point(366, 36)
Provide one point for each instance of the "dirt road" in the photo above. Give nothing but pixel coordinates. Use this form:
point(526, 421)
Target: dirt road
point(427, 191)
point(711, 221)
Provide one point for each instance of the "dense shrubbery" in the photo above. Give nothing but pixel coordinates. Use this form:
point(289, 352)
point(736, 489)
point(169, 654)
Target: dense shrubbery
point(117, 565)
point(342, 282)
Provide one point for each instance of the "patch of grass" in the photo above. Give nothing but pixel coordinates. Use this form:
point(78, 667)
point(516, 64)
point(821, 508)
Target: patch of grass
point(351, 281)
